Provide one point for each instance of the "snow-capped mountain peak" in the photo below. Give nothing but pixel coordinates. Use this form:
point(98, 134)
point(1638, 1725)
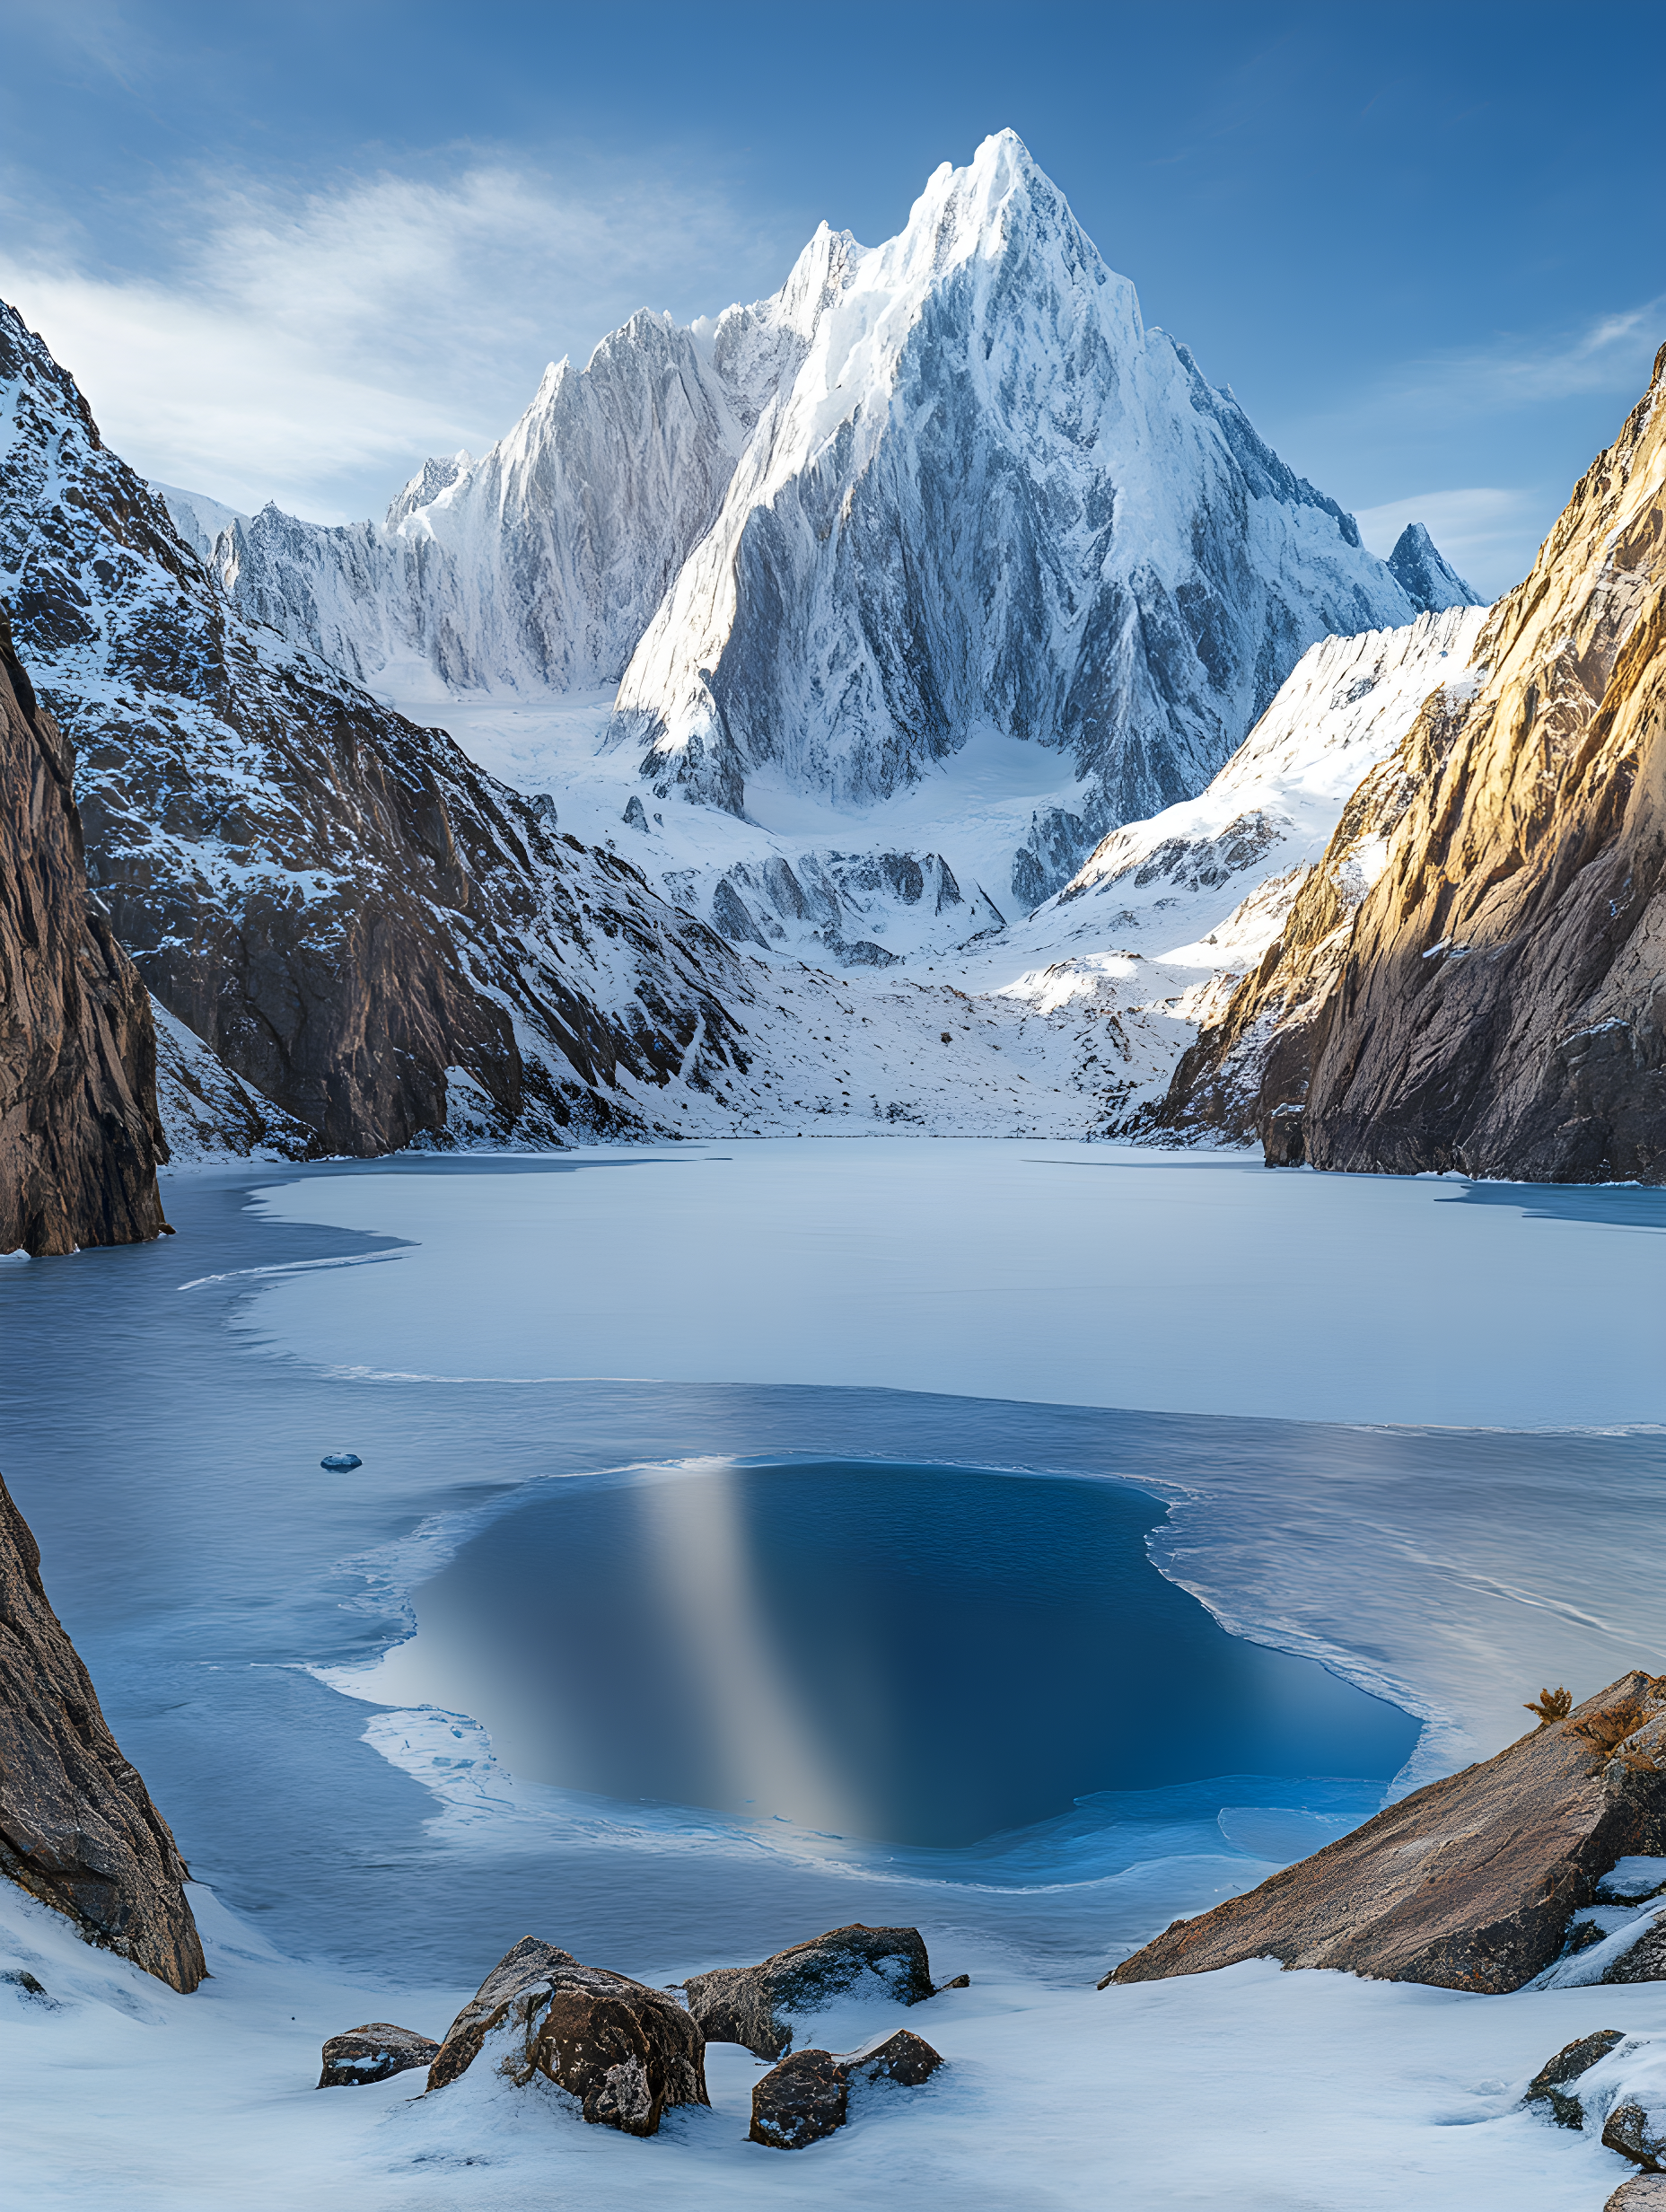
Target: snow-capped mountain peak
point(943, 488)
point(991, 499)
point(1425, 574)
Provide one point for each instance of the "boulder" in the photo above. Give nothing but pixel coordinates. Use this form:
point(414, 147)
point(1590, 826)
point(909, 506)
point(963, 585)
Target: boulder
point(806, 2096)
point(1637, 2134)
point(528, 1966)
point(1645, 1959)
point(750, 2004)
point(626, 2052)
point(798, 2101)
point(373, 2052)
point(1644, 2192)
point(904, 2057)
point(1550, 2085)
point(77, 1827)
point(1469, 1883)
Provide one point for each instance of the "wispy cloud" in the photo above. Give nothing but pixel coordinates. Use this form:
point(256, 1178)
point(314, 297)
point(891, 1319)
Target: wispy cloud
point(312, 347)
point(1611, 353)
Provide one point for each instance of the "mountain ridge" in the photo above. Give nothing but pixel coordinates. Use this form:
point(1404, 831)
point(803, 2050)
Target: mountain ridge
point(798, 548)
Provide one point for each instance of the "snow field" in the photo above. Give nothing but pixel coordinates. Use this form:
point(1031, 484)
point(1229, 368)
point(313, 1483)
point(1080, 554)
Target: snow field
point(1251, 2088)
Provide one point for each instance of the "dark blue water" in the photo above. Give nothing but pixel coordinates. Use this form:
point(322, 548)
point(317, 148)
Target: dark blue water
point(924, 1656)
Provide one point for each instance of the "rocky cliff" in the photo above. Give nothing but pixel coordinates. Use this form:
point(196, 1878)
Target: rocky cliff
point(79, 1134)
point(1494, 998)
point(77, 1827)
point(382, 940)
point(1469, 1883)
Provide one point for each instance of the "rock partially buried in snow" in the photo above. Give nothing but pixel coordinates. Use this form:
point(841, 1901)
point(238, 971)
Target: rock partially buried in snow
point(752, 2005)
point(1636, 2133)
point(904, 2057)
point(1644, 1958)
point(1644, 2192)
point(340, 1463)
point(372, 2053)
point(1549, 2085)
point(798, 2101)
point(807, 2096)
point(532, 1962)
point(1469, 1883)
point(626, 2052)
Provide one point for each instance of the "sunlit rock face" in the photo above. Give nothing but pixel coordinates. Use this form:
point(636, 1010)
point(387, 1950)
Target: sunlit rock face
point(1485, 994)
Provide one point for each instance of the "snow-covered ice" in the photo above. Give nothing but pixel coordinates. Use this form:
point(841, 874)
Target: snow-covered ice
point(1094, 1275)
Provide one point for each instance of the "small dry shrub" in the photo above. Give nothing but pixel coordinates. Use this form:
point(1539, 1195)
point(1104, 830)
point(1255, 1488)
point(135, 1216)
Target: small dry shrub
point(1550, 1705)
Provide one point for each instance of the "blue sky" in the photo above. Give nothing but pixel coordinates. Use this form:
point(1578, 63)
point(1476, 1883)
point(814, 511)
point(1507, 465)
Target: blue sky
point(290, 250)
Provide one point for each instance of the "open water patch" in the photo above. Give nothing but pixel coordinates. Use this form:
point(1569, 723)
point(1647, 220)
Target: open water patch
point(922, 1656)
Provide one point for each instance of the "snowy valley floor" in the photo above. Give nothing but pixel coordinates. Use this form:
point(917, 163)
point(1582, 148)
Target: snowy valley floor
point(1412, 1429)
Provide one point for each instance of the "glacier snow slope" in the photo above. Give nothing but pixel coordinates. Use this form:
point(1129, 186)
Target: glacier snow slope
point(1113, 976)
point(537, 566)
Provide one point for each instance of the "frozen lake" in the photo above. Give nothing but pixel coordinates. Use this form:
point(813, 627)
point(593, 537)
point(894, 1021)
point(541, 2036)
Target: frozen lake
point(1064, 1274)
point(225, 1590)
point(1408, 1431)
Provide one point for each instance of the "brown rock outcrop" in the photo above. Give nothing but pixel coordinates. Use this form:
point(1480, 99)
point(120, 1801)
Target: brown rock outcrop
point(374, 2053)
point(753, 2005)
point(1636, 2133)
point(1497, 1000)
point(79, 1136)
point(626, 2052)
point(1644, 2192)
point(1468, 1883)
point(1247, 1075)
point(77, 1827)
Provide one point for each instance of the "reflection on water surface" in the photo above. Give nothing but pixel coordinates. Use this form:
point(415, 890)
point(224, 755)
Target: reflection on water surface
point(917, 1655)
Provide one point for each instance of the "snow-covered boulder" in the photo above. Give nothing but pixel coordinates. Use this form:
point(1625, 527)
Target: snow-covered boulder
point(1551, 2086)
point(373, 2052)
point(756, 2004)
point(807, 2095)
point(625, 2051)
